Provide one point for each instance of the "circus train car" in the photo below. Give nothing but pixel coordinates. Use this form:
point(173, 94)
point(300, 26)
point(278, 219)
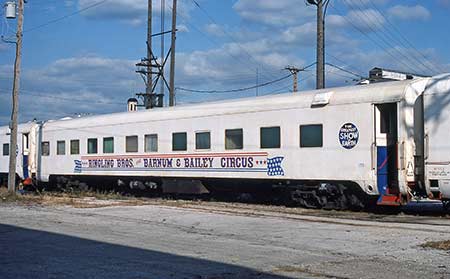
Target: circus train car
point(385, 143)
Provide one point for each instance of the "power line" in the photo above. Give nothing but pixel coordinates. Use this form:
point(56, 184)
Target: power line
point(387, 38)
point(371, 39)
point(343, 63)
point(233, 56)
point(346, 71)
point(364, 19)
point(402, 36)
point(211, 19)
point(65, 16)
point(40, 95)
point(235, 90)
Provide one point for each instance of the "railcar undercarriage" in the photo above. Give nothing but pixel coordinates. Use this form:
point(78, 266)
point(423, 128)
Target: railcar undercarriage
point(310, 194)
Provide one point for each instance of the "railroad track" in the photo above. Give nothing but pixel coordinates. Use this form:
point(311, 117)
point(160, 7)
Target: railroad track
point(311, 215)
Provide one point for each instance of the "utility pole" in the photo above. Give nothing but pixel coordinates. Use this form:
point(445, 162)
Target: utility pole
point(294, 71)
point(163, 27)
point(257, 81)
point(15, 102)
point(322, 6)
point(151, 66)
point(149, 85)
point(172, 55)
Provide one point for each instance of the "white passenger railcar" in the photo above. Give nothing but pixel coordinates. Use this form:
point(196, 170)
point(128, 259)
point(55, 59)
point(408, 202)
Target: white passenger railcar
point(335, 147)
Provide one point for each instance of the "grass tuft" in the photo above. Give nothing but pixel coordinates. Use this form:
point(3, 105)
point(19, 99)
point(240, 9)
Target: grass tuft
point(441, 245)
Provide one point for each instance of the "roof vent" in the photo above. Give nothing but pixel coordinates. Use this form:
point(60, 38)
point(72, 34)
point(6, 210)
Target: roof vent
point(322, 98)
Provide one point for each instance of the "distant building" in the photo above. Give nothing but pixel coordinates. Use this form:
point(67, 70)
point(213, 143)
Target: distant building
point(380, 75)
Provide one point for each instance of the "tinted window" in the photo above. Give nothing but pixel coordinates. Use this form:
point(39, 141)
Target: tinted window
point(234, 139)
point(92, 146)
point(151, 143)
point(179, 141)
point(203, 140)
point(131, 144)
point(6, 149)
point(61, 147)
point(311, 136)
point(74, 147)
point(270, 137)
point(45, 148)
point(108, 145)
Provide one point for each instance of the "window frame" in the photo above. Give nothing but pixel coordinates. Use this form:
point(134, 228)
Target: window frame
point(185, 141)
point(242, 140)
point(103, 147)
point(126, 144)
point(57, 147)
point(72, 141)
point(145, 143)
point(209, 140)
point(96, 145)
point(5, 149)
point(261, 137)
point(310, 125)
point(48, 148)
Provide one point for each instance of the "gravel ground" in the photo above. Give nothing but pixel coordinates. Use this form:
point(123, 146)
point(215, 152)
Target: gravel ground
point(160, 241)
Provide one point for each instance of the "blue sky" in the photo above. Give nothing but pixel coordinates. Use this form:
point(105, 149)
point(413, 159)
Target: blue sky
point(85, 63)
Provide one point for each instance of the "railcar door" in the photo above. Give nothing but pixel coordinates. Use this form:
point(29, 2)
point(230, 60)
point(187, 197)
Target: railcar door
point(386, 132)
point(25, 154)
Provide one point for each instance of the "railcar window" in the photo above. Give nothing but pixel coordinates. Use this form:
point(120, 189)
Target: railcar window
point(179, 141)
point(108, 145)
point(74, 147)
point(61, 147)
point(234, 139)
point(6, 149)
point(311, 135)
point(92, 146)
point(203, 140)
point(45, 148)
point(151, 143)
point(131, 144)
point(270, 137)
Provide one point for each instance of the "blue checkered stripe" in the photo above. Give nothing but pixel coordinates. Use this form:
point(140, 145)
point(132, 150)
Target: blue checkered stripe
point(77, 168)
point(274, 167)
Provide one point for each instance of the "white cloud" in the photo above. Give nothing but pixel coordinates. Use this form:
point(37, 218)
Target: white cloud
point(73, 85)
point(417, 12)
point(130, 11)
point(214, 30)
point(274, 12)
point(362, 3)
point(368, 20)
point(182, 28)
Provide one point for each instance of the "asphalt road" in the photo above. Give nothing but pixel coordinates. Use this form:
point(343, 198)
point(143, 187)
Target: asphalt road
point(166, 242)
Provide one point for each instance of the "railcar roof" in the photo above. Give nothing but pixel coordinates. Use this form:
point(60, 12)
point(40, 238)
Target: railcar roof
point(372, 93)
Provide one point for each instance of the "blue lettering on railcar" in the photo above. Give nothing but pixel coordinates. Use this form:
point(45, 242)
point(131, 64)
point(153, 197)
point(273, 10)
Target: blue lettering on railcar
point(348, 135)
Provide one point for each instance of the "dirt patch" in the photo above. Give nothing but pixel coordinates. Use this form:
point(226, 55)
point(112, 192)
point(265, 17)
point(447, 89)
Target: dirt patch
point(302, 270)
point(6, 196)
point(74, 199)
point(441, 245)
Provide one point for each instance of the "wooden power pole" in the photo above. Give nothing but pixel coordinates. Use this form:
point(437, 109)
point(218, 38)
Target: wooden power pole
point(172, 55)
point(149, 85)
point(294, 71)
point(322, 6)
point(15, 102)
